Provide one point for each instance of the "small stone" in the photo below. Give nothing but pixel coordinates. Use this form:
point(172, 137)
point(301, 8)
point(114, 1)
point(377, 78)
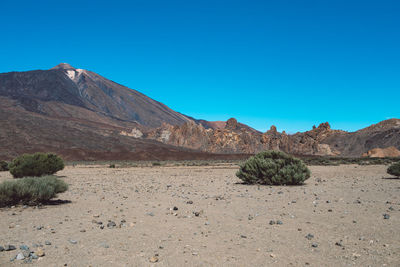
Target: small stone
point(339, 244)
point(207, 223)
point(47, 243)
point(386, 216)
point(243, 236)
point(153, 259)
point(73, 241)
point(150, 214)
point(250, 217)
point(39, 228)
point(104, 245)
point(101, 226)
point(82, 231)
point(310, 236)
point(9, 248)
point(272, 255)
point(40, 252)
point(189, 202)
point(314, 245)
point(1, 249)
point(175, 208)
point(279, 222)
point(24, 247)
point(329, 210)
point(20, 256)
point(26, 253)
point(34, 256)
point(111, 224)
point(271, 222)
point(196, 213)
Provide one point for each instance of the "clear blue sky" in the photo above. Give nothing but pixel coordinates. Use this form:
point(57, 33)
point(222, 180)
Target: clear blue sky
point(288, 63)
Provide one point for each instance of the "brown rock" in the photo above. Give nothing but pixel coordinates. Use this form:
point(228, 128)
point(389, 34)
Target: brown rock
point(382, 152)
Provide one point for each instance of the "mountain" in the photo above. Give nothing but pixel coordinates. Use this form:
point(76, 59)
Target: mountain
point(53, 92)
point(84, 116)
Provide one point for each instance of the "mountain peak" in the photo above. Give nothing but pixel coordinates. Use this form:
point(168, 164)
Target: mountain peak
point(64, 66)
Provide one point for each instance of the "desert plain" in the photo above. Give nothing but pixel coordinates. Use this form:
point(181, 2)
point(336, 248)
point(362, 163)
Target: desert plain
point(347, 215)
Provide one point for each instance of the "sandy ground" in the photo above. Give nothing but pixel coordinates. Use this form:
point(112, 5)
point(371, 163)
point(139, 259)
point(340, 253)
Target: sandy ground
point(341, 206)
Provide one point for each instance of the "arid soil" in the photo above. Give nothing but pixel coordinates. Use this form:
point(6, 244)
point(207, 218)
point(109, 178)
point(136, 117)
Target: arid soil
point(342, 207)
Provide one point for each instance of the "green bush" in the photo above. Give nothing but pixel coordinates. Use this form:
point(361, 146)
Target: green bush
point(37, 164)
point(273, 168)
point(112, 166)
point(3, 166)
point(31, 190)
point(394, 169)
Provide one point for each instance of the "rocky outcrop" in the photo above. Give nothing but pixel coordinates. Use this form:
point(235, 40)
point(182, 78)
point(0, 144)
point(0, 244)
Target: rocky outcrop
point(383, 152)
point(236, 139)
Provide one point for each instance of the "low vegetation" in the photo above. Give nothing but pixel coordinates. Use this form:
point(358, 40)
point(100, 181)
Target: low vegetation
point(3, 166)
point(273, 168)
point(394, 169)
point(37, 164)
point(336, 161)
point(31, 190)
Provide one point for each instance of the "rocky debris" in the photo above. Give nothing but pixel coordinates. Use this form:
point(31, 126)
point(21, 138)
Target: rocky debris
point(1, 249)
point(72, 241)
point(314, 245)
point(47, 243)
point(386, 216)
point(27, 254)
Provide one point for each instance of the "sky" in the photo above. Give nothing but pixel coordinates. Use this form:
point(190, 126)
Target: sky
point(293, 64)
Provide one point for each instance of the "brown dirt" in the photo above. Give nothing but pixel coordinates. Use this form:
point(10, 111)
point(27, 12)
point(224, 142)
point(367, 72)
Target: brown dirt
point(238, 233)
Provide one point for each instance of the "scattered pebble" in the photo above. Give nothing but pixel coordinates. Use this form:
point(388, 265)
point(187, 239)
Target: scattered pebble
point(309, 236)
point(9, 248)
point(111, 224)
point(154, 259)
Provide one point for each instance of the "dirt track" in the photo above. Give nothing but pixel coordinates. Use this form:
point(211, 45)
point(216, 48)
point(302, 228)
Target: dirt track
point(341, 206)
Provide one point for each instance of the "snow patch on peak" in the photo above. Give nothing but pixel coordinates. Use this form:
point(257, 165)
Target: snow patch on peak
point(74, 73)
point(71, 74)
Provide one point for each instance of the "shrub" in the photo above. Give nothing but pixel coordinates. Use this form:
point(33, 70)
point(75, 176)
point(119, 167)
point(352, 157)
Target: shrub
point(31, 190)
point(112, 166)
point(37, 164)
point(3, 166)
point(394, 169)
point(273, 168)
point(156, 163)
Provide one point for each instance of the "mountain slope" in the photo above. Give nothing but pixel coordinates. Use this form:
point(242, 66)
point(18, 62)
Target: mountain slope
point(81, 88)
